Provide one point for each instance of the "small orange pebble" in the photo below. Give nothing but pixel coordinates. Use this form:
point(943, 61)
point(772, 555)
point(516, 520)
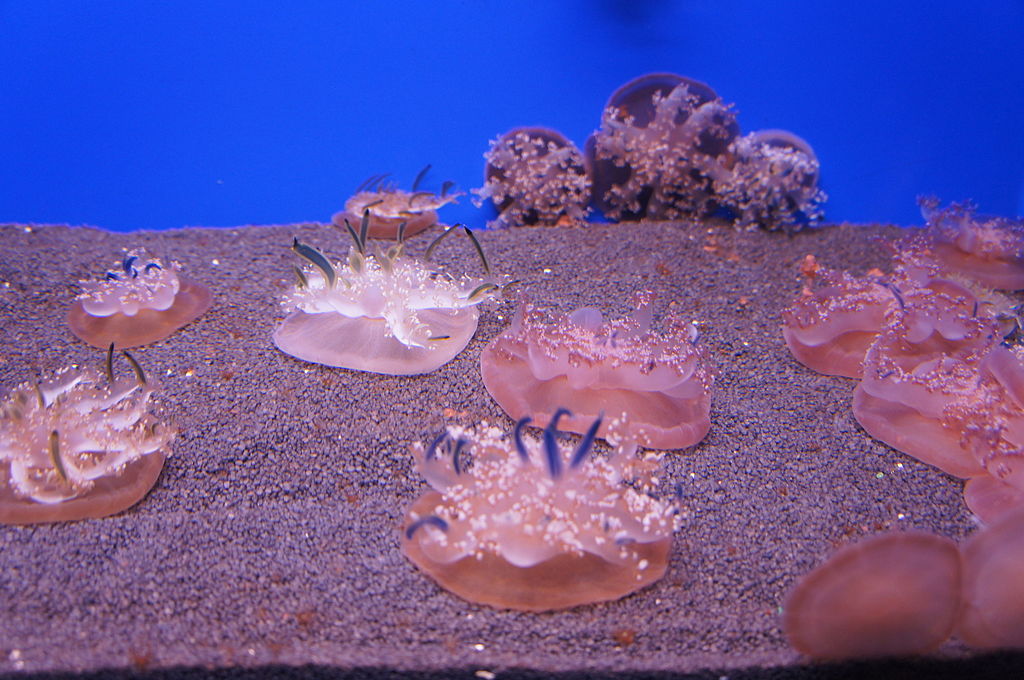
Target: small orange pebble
point(139, 304)
point(894, 594)
point(520, 523)
point(624, 637)
point(809, 266)
point(386, 208)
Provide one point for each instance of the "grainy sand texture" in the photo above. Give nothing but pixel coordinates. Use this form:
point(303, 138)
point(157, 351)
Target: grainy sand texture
point(269, 541)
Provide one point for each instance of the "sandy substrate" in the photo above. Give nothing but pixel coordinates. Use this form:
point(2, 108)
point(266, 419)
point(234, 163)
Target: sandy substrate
point(270, 539)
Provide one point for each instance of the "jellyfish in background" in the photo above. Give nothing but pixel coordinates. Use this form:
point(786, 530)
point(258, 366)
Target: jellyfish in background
point(669, 148)
point(662, 139)
point(387, 207)
point(535, 176)
point(772, 181)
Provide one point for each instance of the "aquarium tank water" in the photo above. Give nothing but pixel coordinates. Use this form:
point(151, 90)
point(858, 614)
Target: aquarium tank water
point(151, 115)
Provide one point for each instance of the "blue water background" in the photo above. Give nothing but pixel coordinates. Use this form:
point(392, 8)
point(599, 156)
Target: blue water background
point(130, 115)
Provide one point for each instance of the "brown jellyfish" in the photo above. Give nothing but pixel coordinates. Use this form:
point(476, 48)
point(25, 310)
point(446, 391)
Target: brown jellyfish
point(137, 303)
point(916, 376)
point(536, 176)
point(387, 208)
point(993, 587)
point(662, 139)
point(894, 594)
point(990, 498)
point(830, 328)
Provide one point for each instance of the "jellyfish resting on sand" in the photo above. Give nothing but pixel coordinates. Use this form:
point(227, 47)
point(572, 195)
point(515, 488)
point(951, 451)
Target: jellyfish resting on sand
point(387, 207)
point(655, 379)
point(138, 302)
point(987, 249)
point(992, 615)
point(383, 313)
point(520, 523)
point(893, 594)
point(80, 445)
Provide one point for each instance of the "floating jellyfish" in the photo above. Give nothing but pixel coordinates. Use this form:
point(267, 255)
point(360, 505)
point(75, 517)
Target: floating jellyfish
point(520, 523)
point(535, 176)
point(662, 139)
point(387, 207)
point(138, 302)
point(655, 380)
point(381, 312)
point(80, 445)
point(893, 594)
point(772, 182)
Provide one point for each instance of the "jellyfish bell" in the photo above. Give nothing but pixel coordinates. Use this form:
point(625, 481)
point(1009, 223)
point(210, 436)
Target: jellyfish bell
point(894, 594)
point(993, 593)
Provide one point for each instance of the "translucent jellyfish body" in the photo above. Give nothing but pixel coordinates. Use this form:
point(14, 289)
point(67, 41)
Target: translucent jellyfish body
point(388, 207)
point(987, 249)
point(536, 176)
point(138, 302)
point(830, 328)
point(656, 381)
point(921, 370)
point(662, 138)
point(889, 595)
point(79, 445)
point(520, 523)
point(993, 599)
point(382, 313)
point(772, 181)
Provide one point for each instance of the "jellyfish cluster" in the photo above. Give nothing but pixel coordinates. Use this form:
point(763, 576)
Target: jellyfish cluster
point(934, 347)
point(668, 148)
point(566, 505)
